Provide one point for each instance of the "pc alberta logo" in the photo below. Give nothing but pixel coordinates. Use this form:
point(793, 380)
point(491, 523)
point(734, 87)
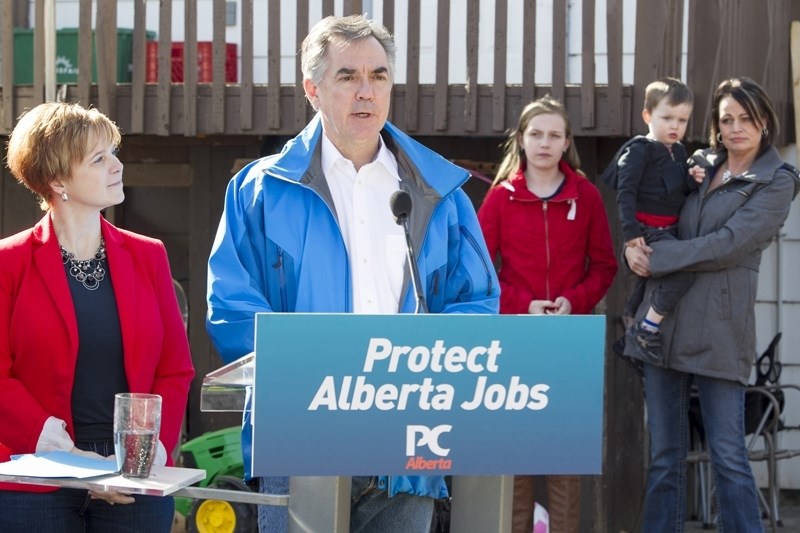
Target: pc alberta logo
point(418, 436)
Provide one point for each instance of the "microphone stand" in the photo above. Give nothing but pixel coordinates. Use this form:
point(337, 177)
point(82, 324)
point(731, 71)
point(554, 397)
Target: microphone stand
point(421, 306)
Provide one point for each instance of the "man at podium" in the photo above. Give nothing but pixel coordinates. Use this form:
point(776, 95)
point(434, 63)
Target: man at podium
point(331, 224)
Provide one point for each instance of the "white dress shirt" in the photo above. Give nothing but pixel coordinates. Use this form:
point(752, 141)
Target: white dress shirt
point(375, 243)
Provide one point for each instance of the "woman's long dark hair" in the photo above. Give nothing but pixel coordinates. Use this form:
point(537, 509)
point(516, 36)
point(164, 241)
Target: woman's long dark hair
point(754, 100)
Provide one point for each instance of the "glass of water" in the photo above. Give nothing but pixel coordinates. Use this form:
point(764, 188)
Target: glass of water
point(137, 420)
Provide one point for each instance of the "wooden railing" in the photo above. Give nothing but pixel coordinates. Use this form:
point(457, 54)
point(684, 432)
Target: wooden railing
point(725, 38)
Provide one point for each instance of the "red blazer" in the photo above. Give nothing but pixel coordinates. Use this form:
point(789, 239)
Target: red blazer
point(39, 335)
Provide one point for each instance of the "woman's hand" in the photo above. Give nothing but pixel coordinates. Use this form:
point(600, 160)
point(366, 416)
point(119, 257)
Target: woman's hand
point(111, 496)
point(639, 260)
point(84, 453)
point(541, 307)
point(637, 241)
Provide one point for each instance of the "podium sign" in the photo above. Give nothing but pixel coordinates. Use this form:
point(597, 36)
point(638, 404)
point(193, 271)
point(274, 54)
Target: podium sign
point(344, 394)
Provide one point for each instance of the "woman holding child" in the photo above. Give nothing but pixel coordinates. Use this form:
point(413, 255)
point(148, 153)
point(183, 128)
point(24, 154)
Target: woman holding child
point(547, 225)
point(710, 338)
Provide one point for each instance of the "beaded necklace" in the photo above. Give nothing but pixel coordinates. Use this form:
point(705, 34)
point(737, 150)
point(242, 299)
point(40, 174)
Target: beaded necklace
point(89, 272)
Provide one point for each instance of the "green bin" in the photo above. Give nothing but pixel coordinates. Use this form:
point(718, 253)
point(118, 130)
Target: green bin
point(67, 55)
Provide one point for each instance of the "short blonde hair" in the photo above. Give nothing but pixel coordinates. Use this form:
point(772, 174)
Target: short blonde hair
point(50, 139)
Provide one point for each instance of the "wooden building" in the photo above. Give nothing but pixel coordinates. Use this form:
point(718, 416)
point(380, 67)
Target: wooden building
point(183, 141)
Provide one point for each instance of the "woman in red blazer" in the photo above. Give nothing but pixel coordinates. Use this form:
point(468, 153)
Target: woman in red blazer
point(87, 310)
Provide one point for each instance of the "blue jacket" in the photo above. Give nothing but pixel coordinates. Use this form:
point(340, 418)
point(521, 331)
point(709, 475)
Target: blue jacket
point(279, 248)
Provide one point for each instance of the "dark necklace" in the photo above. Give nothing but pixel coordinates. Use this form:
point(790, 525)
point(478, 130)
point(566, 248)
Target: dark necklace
point(89, 272)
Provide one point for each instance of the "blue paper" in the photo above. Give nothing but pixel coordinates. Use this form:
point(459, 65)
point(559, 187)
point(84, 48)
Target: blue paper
point(57, 464)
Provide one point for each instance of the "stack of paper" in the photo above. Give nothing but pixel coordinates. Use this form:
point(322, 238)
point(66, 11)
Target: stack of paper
point(57, 464)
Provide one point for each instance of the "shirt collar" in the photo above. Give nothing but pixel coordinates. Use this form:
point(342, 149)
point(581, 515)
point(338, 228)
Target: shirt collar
point(331, 155)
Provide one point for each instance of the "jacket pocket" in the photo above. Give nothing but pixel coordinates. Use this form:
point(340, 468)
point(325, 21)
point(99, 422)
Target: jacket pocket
point(435, 294)
point(724, 295)
point(482, 257)
point(280, 283)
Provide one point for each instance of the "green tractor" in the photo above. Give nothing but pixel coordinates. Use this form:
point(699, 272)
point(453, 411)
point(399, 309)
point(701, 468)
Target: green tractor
point(219, 453)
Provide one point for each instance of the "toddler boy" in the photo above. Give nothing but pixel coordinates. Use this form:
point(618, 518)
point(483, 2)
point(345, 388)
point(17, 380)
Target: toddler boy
point(651, 176)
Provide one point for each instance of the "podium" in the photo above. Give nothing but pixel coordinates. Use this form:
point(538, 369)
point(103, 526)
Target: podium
point(477, 397)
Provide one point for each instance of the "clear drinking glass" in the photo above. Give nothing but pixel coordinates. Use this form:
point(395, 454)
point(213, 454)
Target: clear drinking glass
point(137, 421)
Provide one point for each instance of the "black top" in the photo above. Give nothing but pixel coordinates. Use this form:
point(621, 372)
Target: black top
point(558, 190)
point(99, 370)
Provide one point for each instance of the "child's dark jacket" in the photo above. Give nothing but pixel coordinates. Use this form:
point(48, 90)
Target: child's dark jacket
point(648, 179)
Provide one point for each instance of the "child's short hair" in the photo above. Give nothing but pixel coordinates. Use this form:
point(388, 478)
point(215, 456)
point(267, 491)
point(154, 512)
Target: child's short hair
point(674, 90)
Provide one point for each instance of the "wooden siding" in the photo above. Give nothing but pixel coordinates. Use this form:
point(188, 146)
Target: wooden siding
point(716, 50)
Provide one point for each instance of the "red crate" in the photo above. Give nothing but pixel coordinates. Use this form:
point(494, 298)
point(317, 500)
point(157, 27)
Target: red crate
point(205, 55)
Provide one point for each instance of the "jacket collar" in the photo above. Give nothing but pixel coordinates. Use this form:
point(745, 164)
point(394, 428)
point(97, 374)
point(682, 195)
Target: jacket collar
point(569, 191)
point(120, 262)
point(765, 166)
point(44, 233)
point(47, 258)
point(762, 170)
point(300, 159)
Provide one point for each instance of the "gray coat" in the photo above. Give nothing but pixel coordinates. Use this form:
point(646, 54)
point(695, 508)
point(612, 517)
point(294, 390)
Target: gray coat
point(712, 330)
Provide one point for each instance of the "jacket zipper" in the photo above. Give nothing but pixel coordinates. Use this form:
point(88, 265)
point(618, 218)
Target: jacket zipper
point(546, 251)
point(281, 279)
point(474, 244)
point(546, 237)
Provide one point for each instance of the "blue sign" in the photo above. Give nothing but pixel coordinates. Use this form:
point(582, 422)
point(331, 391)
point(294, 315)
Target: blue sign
point(344, 394)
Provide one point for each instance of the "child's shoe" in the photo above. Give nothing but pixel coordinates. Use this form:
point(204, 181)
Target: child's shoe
point(646, 344)
point(619, 350)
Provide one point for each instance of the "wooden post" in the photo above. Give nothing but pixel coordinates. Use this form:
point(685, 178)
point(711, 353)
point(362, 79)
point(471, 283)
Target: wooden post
point(482, 503)
point(49, 50)
point(795, 54)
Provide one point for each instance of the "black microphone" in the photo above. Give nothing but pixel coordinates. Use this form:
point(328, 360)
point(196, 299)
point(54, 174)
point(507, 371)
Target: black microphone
point(400, 203)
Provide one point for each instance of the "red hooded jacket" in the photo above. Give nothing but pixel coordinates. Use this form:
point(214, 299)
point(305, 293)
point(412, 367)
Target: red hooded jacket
point(549, 248)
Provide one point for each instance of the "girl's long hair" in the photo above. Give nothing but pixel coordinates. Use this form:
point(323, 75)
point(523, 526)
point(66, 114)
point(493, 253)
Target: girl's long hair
point(513, 153)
